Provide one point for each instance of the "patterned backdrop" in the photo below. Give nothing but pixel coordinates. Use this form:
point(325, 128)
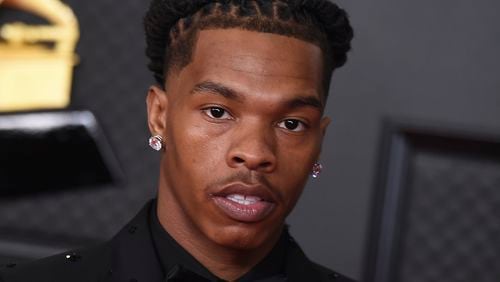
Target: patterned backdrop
point(451, 232)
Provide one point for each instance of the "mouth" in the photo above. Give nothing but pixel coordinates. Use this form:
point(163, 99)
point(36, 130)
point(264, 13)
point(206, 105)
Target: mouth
point(245, 203)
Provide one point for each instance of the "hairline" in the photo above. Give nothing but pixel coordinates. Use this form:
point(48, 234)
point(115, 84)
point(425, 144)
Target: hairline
point(173, 67)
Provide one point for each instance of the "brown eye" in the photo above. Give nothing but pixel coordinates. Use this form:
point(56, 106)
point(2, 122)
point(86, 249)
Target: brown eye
point(292, 125)
point(217, 113)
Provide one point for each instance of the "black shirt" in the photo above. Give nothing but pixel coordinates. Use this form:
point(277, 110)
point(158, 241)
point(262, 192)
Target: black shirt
point(173, 257)
point(144, 252)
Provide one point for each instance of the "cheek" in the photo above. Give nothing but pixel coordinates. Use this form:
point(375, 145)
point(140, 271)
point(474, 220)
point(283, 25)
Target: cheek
point(294, 167)
point(199, 147)
point(297, 155)
point(293, 181)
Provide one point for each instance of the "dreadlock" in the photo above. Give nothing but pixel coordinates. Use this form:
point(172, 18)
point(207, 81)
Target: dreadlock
point(172, 27)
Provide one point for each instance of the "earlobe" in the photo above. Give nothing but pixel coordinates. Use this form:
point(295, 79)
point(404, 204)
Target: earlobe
point(157, 106)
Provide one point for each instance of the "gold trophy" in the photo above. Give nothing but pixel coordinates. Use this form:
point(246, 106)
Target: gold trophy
point(61, 148)
point(37, 61)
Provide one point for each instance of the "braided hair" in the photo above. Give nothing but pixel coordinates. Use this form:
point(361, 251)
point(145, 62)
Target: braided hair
point(172, 26)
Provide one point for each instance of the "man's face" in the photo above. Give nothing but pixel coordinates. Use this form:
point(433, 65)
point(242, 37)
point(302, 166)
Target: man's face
point(242, 126)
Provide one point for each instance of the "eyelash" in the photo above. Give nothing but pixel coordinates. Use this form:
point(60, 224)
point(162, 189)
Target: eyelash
point(302, 125)
point(208, 112)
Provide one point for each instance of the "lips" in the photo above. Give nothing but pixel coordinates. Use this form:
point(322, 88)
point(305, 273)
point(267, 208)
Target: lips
point(245, 203)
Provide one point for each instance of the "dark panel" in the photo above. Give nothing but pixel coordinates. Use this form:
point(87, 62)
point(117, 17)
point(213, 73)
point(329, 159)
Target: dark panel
point(451, 230)
point(437, 207)
point(59, 150)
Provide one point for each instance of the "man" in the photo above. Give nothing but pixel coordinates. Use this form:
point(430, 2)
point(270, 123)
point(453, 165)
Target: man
point(238, 117)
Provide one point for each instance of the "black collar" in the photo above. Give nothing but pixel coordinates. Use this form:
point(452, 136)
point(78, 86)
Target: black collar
point(172, 256)
point(133, 256)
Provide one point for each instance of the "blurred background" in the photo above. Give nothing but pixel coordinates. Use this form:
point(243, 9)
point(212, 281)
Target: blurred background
point(411, 183)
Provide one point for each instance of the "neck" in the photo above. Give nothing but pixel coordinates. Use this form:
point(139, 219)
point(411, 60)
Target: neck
point(222, 261)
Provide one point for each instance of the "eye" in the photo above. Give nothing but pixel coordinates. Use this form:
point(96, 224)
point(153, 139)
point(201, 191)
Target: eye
point(292, 125)
point(217, 113)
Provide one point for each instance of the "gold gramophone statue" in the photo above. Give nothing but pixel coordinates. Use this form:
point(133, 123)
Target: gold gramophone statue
point(40, 136)
point(36, 61)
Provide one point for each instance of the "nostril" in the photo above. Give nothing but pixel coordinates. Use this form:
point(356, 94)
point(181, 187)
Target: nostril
point(265, 164)
point(251, 162)
point(238, 160)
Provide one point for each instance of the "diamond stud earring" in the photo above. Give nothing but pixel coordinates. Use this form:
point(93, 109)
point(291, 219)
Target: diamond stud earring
point(156, 142)
point(316, 170)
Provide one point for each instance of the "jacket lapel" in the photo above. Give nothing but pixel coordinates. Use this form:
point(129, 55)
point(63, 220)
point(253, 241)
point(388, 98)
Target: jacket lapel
point(299, 267)
point(133, 255)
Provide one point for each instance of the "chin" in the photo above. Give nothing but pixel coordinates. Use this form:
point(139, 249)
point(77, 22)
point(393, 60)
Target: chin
point(243, 236)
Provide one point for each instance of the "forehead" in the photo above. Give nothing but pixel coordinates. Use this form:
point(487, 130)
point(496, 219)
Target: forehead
point(257, 62)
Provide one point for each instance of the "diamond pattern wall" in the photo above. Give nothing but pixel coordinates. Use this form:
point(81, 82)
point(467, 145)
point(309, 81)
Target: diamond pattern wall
point(451, 232)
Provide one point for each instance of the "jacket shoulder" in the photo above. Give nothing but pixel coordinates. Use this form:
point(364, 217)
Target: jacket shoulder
point(330, 275)
point(85, 265)
point(301, 268)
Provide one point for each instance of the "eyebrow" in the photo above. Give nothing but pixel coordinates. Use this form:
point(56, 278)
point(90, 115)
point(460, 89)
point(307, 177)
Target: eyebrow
point(226, 92)
point(217, 88)
point(307, 101)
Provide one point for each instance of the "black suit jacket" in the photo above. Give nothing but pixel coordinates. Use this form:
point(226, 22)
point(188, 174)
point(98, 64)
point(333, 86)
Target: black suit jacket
point(130, 257)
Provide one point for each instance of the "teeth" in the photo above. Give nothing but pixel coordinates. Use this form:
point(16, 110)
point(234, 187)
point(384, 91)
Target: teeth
point(242, 199)
point(252, 198)
point(238, 197)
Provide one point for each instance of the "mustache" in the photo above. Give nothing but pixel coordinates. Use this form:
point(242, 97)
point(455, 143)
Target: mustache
point(245, 177)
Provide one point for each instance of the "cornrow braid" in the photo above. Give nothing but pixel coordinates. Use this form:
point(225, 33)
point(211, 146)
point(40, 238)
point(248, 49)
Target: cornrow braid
point(172, 26)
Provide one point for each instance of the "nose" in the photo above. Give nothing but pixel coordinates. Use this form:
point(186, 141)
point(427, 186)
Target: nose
point(254, 148)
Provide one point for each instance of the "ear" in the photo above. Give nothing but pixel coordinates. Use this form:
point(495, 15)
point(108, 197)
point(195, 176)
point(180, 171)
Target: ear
point(325, 121)
point(157, 103)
